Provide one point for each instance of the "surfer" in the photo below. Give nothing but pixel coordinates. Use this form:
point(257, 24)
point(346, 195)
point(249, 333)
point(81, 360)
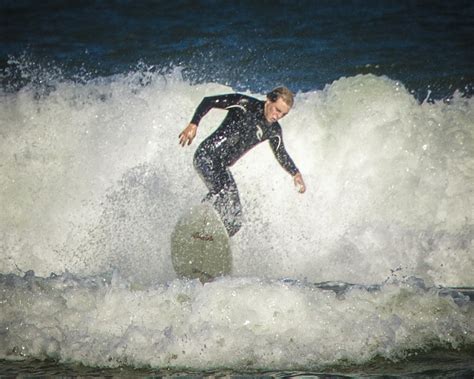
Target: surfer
point(248, 122)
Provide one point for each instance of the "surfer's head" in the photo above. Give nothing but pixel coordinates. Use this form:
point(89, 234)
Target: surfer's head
point(278, 104)
point(281, 93)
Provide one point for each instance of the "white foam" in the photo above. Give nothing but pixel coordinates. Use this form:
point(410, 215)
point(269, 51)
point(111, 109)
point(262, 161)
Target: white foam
point(231, 323)
point(92, 179)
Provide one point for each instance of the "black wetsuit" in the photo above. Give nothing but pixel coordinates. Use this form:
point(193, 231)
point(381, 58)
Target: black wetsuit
point(243, 128)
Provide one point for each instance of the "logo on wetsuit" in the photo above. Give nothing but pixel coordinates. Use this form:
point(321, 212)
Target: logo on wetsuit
point(259, 132)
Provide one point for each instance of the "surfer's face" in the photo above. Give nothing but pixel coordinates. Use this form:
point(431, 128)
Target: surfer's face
point(275, 110)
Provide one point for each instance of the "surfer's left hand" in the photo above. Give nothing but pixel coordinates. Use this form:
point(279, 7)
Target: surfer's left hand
point(299, 182)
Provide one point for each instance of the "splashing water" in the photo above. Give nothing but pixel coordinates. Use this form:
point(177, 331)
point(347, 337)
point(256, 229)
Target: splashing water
point(92, 181)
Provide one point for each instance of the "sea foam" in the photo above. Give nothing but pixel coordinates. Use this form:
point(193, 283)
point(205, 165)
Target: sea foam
point(93, 180)
point(232, 323)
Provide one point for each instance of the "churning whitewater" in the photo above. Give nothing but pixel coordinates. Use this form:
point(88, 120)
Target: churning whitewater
point(93, 181)
point(236, 323)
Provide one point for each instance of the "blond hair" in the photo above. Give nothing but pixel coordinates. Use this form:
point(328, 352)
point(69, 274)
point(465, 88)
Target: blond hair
point(281, 93)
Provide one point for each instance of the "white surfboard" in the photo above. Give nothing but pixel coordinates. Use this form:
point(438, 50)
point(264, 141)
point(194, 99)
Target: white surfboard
point(200, 246)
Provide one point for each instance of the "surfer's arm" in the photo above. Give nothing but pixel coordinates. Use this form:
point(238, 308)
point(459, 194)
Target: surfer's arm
point(220, 102)
point(282, 156)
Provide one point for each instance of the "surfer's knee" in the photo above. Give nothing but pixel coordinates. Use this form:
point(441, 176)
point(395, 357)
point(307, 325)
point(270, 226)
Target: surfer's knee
point(202, 163)
point(206, 168)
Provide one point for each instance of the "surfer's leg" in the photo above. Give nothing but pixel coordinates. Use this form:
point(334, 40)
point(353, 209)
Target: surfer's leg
point(223, 193)
point(227, 203)
point(208, 169)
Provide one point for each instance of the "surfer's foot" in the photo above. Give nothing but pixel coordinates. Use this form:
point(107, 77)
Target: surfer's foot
point(204, 277)
point(202, 236)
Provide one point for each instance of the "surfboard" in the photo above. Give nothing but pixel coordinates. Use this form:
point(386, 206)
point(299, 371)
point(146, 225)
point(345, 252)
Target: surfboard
point(200, 245)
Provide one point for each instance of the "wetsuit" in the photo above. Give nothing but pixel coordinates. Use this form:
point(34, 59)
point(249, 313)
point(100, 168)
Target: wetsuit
point(243, 128)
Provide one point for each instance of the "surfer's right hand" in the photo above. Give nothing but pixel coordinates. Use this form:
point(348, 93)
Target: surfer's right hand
point(188, 134)
point(299, 182)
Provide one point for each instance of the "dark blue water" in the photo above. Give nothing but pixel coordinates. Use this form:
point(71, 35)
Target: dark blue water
point(246, 44)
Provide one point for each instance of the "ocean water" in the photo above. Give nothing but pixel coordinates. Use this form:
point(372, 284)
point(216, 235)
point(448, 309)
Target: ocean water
point(369, 273)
